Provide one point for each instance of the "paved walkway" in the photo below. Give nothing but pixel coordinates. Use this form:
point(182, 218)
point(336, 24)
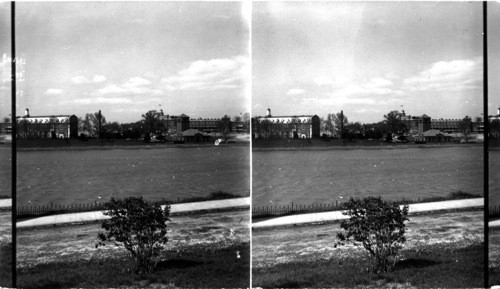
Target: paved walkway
point(98, 215)
point(5, 203)
point(337, 215)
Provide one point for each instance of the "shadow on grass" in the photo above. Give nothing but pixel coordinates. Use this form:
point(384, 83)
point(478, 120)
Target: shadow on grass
point(434, 266)
point(218, 268)
point(6, 265)
point(415, 263)
point(177, 264)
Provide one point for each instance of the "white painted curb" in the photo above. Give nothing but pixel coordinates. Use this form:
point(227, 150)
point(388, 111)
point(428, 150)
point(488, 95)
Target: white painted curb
point(337, 215)
point(98, 215)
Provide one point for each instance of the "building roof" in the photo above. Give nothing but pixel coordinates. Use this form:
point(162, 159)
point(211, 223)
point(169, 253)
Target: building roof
point(44, 116)
point(183, 115)
point(434, 132)
point(193, 132)
point(284, 116)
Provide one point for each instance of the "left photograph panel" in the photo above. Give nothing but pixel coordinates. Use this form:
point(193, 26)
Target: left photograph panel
point(133, 147)
point(5, 147)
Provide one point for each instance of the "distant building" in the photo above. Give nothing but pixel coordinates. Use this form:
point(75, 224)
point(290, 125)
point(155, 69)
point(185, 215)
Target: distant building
point(495, 117)
point(416, 124)
point(194, 135)
point(53, 126)
point(205, 124)
point(176, 124)
point(296, 126)
point(434, 135)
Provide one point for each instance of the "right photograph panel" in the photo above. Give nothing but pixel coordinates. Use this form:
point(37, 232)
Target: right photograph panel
point(368, 145)
point(493, 18)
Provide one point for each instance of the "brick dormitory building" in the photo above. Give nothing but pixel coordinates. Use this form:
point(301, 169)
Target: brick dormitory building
point(53, 126)
point(296, 126)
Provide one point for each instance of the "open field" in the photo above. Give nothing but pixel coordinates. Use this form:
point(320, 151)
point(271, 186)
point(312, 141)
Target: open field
point(494, 256)
point(442, 250)
point(266, 144)
point(5, 249)
point(65, 177)
point(202, 251)
point(279, 176)
point(29, 144)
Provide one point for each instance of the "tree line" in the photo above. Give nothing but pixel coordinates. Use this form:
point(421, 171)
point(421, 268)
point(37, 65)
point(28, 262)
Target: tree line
point(153, 122)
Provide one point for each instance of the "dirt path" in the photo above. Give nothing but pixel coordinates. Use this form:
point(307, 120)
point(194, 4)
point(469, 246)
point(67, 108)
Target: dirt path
point(44, 245)
point(317, 242)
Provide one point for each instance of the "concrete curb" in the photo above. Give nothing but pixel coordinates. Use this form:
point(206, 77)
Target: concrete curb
point(5, 203)
point(98, 215)
point(494, 224)
point(337, 215)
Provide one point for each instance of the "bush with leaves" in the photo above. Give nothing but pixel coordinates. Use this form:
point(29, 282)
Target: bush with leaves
point(378, 226)
point(140, 227)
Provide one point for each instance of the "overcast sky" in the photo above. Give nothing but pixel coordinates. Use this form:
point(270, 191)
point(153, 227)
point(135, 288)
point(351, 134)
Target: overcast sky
point(493, 57)
point(367, 58)
point(5, 67)
point(126, 58)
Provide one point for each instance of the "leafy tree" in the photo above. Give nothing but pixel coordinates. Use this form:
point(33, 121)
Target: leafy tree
point(225, 126)
point(465, 127)
point(138, 226)
point(6, 119)
point(378, 226)
point(153, 121)
point(393, 122)
point(245, 118)
point(494, 128)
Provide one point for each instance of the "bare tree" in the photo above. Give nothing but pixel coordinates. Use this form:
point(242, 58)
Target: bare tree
point(335, 122)
point(90, 124)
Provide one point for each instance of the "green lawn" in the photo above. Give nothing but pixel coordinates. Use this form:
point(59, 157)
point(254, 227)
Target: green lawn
point(202, 251)
point(433, 266)
point(443, 250)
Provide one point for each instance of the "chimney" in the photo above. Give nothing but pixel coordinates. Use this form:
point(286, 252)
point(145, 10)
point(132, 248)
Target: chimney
point(27, 113)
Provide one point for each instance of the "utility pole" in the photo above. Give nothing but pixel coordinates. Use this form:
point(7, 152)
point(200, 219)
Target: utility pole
point(99, 119)
point(342, 124)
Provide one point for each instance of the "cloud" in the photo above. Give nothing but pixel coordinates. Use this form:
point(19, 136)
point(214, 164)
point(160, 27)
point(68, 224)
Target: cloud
point(214, 74)
point(295, 91)
point(54, 92)
point(451, 76)
point(84, 80)
point(136, 82)
point(374, 87)
point(133, 86)
point(79, 79)
point(103, 100)
point(99, 78)
point(323, 80)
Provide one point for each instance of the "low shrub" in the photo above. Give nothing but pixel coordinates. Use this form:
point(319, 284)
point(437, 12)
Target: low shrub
point(138, 226)
point(379, 226)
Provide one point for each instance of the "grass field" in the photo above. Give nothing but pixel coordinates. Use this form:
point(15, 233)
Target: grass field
point(264, 144)
point(494, 256)
point(442, 250)
point(5, 249)
point(205, 250)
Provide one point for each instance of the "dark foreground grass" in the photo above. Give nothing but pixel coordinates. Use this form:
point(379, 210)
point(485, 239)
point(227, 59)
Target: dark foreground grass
point(198, 266)
point(6, 265)
point(434, 266)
